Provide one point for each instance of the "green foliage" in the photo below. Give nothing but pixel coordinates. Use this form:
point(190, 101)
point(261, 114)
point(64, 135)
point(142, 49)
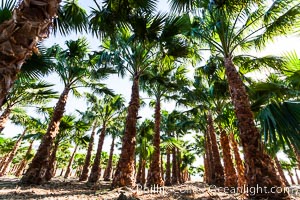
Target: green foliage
point(6, 9)
point(280, 123)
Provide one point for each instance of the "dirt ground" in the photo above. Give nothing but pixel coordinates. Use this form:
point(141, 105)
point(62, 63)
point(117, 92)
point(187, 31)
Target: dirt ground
point(60, 189)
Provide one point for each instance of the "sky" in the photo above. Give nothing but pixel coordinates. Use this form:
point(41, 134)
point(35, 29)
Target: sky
point(123, 86)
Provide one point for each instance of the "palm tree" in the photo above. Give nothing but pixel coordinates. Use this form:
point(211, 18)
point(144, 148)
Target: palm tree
point(161, 83)
point(115, 130)
point(23, 25)
point(106, 110)
point(20, 37)
point(31, 124)
point(26, 92)
point(63, 137)
point(79, 139)
point(89, 115)
point(227, 27)
point(135, 50)
point(144, 149)
point(74, 68)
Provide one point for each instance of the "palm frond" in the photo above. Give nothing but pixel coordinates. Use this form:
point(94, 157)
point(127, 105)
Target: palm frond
point(71, 17)
point(280, 123)
point(6, 9)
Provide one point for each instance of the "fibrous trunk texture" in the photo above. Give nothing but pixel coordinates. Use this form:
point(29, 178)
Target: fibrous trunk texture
point(141, 173)
point(12, 154)
point(71, 162)
point(85, 170)
point(178, 156)
point(291, 177)
point(238, 161)
point(124, 175)
point(18, 38)
point(154, 174)
point(108, 169)
point(296, 174)
point(280, 171)
point(175, 178)
point(38, 167)
point(168, 168)
point(209, 163)
point(96, 168)
point(260, 170)
point(52, 163)
point(230, 173)
point(24, 161)
point(218, 168)
point(4, 118)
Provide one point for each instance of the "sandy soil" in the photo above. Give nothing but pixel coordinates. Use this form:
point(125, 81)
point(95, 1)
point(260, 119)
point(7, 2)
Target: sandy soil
point(60, 189)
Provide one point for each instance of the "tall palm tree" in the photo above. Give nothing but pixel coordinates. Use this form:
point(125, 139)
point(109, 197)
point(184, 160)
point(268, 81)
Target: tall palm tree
point(107, 109)
point(20, 37)
point(135, 49)
point(227, 27)
point(74, 67)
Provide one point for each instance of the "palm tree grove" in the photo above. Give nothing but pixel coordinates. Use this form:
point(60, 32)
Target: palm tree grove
point(149, 99)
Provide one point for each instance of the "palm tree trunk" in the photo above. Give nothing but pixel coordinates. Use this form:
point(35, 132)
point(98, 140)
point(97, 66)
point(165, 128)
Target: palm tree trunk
point(71, 162)
point(238, 161)
point(230, 173)
point(12, 154)
point(297, 177)
point(107, 172)
point(162, 166)
point(3, 161)
point(139, 171)
point(291, 177)
point(50, 173)
point(38, 167)
point(178, 156)
point(218, 168)
point(85, 169)
point(154, 174)
point(4, 118)
point(260, 167)
point(62, 172)
point(19, 36)
point(175, 178)
point(143, 179)
point(168, 168)
point(24, 161)
point(96, 169)
point(124, 175)
point(210, 168)
point(280, 171)
point(297, 154)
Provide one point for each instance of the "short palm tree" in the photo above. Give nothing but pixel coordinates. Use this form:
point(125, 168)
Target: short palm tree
point(107, 110)
point(80, 140)
point(161, 83)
